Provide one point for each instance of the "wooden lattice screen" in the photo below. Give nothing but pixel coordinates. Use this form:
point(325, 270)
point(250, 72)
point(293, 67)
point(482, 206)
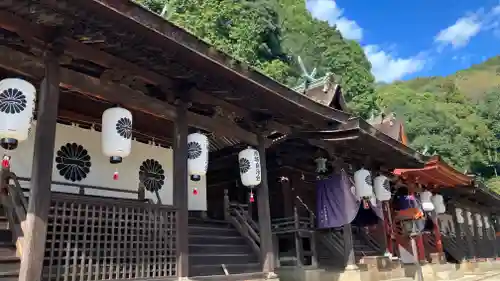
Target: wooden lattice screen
point(102, 239)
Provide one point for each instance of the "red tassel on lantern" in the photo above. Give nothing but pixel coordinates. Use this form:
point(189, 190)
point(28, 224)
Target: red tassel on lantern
point(115, 176)
point(251, 197)
point(195, 191)
point(6, 162)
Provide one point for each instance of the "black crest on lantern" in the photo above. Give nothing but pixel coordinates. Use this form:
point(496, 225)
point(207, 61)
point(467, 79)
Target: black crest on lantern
point(124, 127)
point(386, 185)
point(152, 174)
point(12, 101)
point(73, 162)
point(368, 180)
point(244, 165)
point(193, 150)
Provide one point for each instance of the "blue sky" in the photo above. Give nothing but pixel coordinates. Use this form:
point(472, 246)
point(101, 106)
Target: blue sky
point(407, 39)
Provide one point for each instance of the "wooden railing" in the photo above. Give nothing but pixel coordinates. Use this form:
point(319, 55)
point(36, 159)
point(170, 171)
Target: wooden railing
point(92, 189)
point(296, 222)
point(237, 214)
point(333, 240)
point(95, 238)
point(98, 238)
point(15, 206)
point(368, 238)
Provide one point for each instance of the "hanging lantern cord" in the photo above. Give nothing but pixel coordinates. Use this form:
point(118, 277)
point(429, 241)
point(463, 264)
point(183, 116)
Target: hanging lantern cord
point(251, 199)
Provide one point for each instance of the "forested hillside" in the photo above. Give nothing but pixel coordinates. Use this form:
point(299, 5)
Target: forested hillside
point(456, 117)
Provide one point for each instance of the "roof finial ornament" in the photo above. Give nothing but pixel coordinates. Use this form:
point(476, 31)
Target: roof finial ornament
point(426, 150)
point(166, 12)
point(308, 77)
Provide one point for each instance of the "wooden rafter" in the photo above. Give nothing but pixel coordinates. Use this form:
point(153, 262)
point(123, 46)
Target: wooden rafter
point(33, 67)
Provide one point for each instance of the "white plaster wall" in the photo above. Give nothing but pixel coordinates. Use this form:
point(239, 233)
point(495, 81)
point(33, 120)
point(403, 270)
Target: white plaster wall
point(101, 171)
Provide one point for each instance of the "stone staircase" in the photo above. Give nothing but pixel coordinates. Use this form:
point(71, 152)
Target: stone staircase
point(9, 262)
point(217, 248)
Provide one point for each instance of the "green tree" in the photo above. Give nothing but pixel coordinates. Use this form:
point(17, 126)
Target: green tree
point(248, 31)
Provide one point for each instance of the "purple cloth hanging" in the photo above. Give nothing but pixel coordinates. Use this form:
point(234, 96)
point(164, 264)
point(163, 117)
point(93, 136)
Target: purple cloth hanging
point(336, 204)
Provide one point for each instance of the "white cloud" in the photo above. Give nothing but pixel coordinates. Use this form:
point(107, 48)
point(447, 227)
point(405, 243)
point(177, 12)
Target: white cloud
point(328, 10)
point(465, 28)
point(459, 34)
point(386, 67)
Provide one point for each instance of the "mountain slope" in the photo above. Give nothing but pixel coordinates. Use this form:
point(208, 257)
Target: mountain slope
point(455, 116)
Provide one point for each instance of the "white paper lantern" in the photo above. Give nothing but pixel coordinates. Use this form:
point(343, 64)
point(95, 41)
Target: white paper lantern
point(363, 183)
point(116, 133)
point(486, 221)
point(479, 220)
point(197, 155)
point(469, 217)
point(382, 188)
point(17, 103)
point(250, 170)
point(425, 198)
point(438, 202)
point(460, 215)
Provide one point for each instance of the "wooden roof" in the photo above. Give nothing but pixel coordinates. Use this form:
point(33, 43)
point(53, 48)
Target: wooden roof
point(391, 126)
point(477, 194)
point(119, 52)
point(326, 91)
point(363, 144)
point(436, 174)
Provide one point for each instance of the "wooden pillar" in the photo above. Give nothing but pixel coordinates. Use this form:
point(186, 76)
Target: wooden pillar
point(492, 235)
point(475, 236)
point(41, 175)
point(386, 208)
point(349, 247)
point(181, 189)
point(458, 230)
point(288, 196)
point(299, 247)
point(266, 241)
point(420, 248)
point(437, 233)
point(471, 253)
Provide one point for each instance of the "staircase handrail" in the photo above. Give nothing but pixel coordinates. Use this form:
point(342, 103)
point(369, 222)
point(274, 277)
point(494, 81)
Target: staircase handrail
point(304, 205)
point(243, 209)
point(291, 224)
point(372, 242)
point(237, 215)
point(15, 205)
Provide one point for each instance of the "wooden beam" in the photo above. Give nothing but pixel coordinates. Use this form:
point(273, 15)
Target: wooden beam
point(32, 67)
point(181, 190)
point(75, 49)
point(41, 174)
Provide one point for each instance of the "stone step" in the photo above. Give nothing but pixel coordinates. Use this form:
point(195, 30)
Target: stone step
point(5, 235)
point(217, 259)
point(212, 230)
point(219, 249)
point(216, 240)
point(7, 275)
point(207, 270)
point(4, 223)
point(9, 263)
point(208, 222)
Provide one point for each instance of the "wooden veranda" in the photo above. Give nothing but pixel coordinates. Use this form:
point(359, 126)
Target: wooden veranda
point(86, 55)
